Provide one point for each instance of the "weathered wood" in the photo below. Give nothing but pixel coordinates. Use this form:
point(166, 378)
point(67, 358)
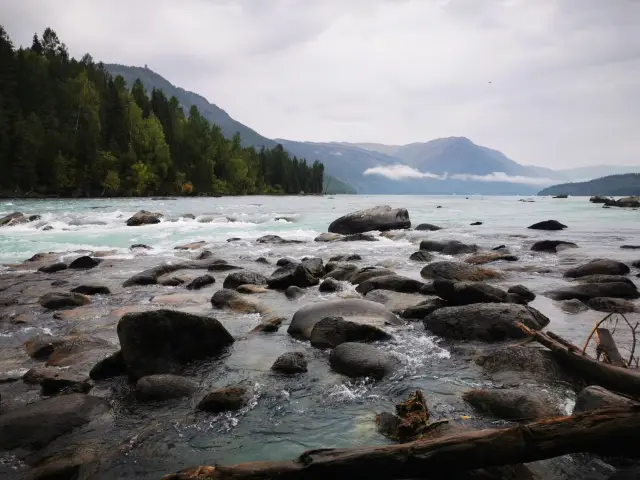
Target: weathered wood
point(600, 431)
point(612, 377)
point(607, 346)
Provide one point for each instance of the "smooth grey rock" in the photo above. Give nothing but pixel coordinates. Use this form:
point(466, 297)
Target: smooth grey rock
point(552, 246)
point(164, 387)
point(144, 218)
point(329, 285)
point(58, 300)
point(422, 309)
point(53, 268)
point(548, 225)
point(598, 267)
point(235, 279)
point(513, 404)
point(447, 247)
point(333, 331)
point(396, 283)
point(381, 218)
point(586, 291)
point(465, 293)
point(615, 305)
point(421, 256)
point(224, 399)
point(362, 360)
point(427, 227)
point(459, 271)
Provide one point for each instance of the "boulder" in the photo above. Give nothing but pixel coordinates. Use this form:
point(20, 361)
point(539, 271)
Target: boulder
point(483, 258)
point(522, 291)
point(111, 366)
point(53, 268)
point(164, 387)
point(381, 218)
point(162, 341)
point(519, 363)
point(352, 309)
point(330, 285)
point(141, 246)
point(362, 360)
point(150, 276)
point(586, 291)
point(488, 322)
point(421, 256)
point(144, 218)
point(294, 292)
point(364, 274)
point(290, 363)
point(305, 274)
point(598, 267)
point(427, 227)
point(235, 279)
point(91, 290)
point(269, 323)
point(573, 306)
point(612, 305)
point(201, 282)
point(396, 283)
point(250, 289)
point(626, 202)
point(552, 246)
point(287, 262)
point(548, 225)
point(607, 279)
point(595, 397)
point(263, 261)
point(58, 300)
point(327, 237)
point(422, 309)
point(397, 302)
point(174, 280)
point(39, 423)
point(276, 240)
point(459, 271)
point(348, 257)
point(344, 271)
point(448, 247)
point(205, 255)
point(191, 246)
point(232, 300)
point(224, 399)
point(513, 404)
point(47, 228)
point(84, 263)
point(465, 293)
point(189, 216)
point(54, 380)
point(333, 331)
point(599, 199)
point(15, 218)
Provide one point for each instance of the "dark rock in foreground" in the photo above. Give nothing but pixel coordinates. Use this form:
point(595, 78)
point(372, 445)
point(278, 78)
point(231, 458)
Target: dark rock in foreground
point(489, 322)
point(53, 268)
point(84, 262)
point(421, 256)
point(362, 360)
point(596, 397)
point(92, 290)
point(305, 274)
point(15, 218)
point(459, 271)
point(518, 405)
point(37, 424)
point(58, 300)
point(164, 387)
point(224, 399)
point(551, 246)
point(163, 341)
point(333, 331)
point(111, 366)
point(352, 309)
point(598, 267)
point(548, 225)
point(586, 291)
point(144, 218)
point(329, 285)
point(201, 282)
point(290, 363)
point(381, 218)
point(427, 227)
point(234, 280)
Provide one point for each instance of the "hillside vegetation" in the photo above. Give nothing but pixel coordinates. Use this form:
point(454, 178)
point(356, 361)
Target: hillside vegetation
point(613, 185)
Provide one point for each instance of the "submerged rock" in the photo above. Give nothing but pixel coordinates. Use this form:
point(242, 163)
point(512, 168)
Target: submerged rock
point(250, 289)
point(290, 363)
point(459, 271)
point(381, 218)
point(141, 246)
point(616, 305)
point(201, 282)
point(53, 380)
point(164, 387)
point(344, 271)
point(586, 291)
point(596, 397)
point(421, 256)
point(484, 258)
point(359, 237)
point(111, 366)
point(235, 279)
point(347, 257)
point(352, 309)
point(548, 225)
point(396, 283)
point(205, 255)
point(91, 290)
point(162, 341)
point(15, 218)
point(362, 360)
point(489, 322)
point(607, 279)
point(224, 399)
point(191, 246)
point(53, 268)
point(58, 300)
point(328, 237)
point(330, 285)
point(573, 306)
point(333, 331)
point(232, 300)
point(144, 218)
point(364, 274)
point(552, 246)
point(422, 309)
point(269, 323)
point(294, 292)
point(598, 267)
point(37, 424)
point(150, 276)
point(513, 404)
point(277, 240)
point(427, 227)
point(84, 262)
point(447, 247)
point(522, 363)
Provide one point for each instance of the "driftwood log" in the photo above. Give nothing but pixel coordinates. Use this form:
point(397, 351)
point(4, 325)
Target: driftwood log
point(607, 431)
point(612, 377)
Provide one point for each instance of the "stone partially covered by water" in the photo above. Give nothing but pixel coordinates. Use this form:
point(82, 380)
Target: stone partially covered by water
point(378, 218)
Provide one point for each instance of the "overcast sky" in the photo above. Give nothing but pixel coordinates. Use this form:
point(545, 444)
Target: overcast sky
point(549, 82)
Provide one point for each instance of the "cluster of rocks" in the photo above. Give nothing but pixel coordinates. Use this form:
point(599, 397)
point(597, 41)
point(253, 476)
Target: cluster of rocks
point(625, 202)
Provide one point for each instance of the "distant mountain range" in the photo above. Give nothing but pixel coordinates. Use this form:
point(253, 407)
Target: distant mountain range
point(611, 186)
point(453, 165)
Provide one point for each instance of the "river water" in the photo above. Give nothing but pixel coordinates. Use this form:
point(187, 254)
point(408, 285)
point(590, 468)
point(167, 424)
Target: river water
point(320, 408)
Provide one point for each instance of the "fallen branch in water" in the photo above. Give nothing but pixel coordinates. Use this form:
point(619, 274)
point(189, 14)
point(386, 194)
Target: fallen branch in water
point(612, 377)
point(608, 431)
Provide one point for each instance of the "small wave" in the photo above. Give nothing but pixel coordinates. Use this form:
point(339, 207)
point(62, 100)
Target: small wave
point(351, 390)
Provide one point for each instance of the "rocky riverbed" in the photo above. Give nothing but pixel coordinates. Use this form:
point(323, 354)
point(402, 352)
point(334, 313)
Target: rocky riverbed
point(137, 365)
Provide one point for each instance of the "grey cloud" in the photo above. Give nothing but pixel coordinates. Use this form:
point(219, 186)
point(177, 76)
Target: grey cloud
point(563, 73)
